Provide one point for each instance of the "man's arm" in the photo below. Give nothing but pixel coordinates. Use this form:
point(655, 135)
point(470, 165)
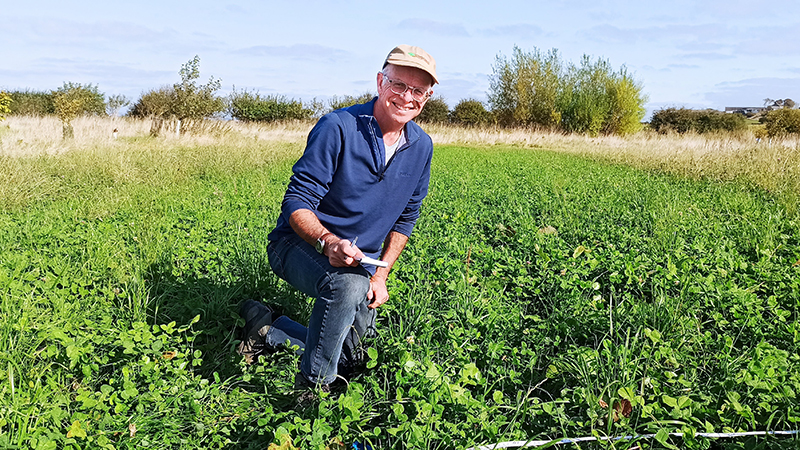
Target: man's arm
point(339, 251)
point(392, 247)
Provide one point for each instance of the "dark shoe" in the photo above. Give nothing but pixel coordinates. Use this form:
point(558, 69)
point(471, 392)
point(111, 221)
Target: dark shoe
point(258, 318)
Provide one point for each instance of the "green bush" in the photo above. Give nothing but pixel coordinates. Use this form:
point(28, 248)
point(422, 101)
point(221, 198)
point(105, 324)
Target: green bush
point(782, 122)
point(536, 89)
point(344, 101)
point(5, 105)
point(153, 103)
point(252, 107)
point(187, 102)
point(31, 103)
point(471, 113)
point(683, 120)
point(435, 111)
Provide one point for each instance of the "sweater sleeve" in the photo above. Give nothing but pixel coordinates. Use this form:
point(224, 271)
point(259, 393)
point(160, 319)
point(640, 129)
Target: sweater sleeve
point(313, 172)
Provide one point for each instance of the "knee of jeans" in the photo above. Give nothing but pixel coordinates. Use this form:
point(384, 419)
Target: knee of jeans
point(347, 287)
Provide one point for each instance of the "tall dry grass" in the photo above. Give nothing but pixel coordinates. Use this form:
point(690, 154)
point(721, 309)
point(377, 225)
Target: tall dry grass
point(37, 164)
point(771, 165)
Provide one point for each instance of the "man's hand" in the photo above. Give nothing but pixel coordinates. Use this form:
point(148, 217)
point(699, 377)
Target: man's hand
point(341, 252)
point(377, 291)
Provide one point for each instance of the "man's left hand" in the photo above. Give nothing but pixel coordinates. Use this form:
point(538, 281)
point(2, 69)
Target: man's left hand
point(377, 294)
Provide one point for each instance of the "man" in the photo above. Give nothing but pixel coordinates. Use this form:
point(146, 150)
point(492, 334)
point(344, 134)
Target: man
point(354, 197)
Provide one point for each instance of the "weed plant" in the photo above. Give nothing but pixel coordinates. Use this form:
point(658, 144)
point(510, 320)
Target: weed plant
point(543, 295)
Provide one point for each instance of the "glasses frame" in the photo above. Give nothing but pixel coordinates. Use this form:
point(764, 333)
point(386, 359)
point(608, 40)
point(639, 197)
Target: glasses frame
point(392, 84)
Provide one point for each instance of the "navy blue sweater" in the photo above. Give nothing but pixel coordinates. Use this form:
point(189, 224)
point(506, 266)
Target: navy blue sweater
point(342, 177)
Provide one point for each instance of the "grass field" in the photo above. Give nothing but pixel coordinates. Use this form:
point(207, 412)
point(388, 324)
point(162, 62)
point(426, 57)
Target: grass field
point(555, 286)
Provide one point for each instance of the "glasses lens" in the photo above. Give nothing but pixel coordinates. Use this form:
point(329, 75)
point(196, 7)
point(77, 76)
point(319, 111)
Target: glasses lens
point(398, 87)
point(418, 94)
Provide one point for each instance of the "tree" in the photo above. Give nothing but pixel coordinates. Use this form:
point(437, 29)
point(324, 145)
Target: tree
point(74, 99)
point(782, 122)
point(788, 103)
point(192, 102)
point(186, 101)
point(154, 104)
point(538, 89)
point(471, 113)
point(5, 105)
point(115, 103)
point(524, 89)
point(435, 111)
point(69, 104)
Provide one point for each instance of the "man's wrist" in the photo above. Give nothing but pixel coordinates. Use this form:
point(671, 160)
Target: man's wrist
point(322, 243)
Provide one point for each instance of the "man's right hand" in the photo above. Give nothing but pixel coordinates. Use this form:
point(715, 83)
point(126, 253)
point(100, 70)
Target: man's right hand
point(341, 252)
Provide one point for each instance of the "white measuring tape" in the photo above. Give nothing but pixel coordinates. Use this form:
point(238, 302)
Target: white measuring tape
point(522, 444)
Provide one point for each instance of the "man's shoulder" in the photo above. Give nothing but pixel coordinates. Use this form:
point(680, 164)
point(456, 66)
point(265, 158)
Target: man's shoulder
point(415, 133)
point(352, 113)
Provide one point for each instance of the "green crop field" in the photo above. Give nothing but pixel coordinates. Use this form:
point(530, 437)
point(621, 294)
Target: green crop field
point(543, 295)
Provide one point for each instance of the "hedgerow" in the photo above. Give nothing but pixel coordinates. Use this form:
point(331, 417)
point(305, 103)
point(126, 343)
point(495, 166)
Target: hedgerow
point(683, 120)
point(253, 107)
point(782, 122)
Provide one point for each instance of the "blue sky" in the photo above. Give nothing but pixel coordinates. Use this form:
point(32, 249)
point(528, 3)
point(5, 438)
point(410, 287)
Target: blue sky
point(698, 54)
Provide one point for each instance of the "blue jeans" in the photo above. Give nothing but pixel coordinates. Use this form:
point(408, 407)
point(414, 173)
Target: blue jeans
point(340, 317)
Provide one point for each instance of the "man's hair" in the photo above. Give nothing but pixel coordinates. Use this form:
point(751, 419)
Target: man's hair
point(391, 68)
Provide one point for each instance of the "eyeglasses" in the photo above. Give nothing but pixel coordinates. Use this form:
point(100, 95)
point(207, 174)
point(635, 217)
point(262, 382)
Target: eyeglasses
point(400, 88)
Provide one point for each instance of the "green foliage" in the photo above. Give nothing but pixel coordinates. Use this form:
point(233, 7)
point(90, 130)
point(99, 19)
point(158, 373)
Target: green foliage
point(192, 101)
point(471, 113)
point(252, 107)
point(31, 103)
point(91, 99)
point(539, 292)
point(683, 120)
point(536, 89)
point(596, 100)
point(187, 102)
point(782, 122)
point(153, 103)
point(74, 99)
point(523, 90)
point(5, 105)
point(344, 101)
point(435, 111)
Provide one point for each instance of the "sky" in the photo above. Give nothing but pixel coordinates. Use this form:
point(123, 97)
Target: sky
point(694, 54)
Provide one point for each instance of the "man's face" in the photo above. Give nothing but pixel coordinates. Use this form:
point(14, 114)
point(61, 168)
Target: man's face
point(402, 108)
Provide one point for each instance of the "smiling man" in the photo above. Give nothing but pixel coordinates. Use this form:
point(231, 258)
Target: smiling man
point(351, 204)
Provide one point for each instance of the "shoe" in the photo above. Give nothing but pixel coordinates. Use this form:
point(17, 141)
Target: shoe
point(258, 318)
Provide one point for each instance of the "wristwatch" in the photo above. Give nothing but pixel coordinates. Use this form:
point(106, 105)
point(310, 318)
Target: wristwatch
point(320, 245)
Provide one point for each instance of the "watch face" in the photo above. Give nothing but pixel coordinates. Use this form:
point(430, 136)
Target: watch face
point(320, 246)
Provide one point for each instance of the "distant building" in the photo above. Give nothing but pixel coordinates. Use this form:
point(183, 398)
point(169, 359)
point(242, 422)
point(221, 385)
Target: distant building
point(746, 110)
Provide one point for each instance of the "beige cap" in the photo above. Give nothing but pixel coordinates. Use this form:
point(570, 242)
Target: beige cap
point(410, 56)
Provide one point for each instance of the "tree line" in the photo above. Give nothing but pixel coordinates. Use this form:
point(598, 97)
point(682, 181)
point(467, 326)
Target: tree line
point(532, 89)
